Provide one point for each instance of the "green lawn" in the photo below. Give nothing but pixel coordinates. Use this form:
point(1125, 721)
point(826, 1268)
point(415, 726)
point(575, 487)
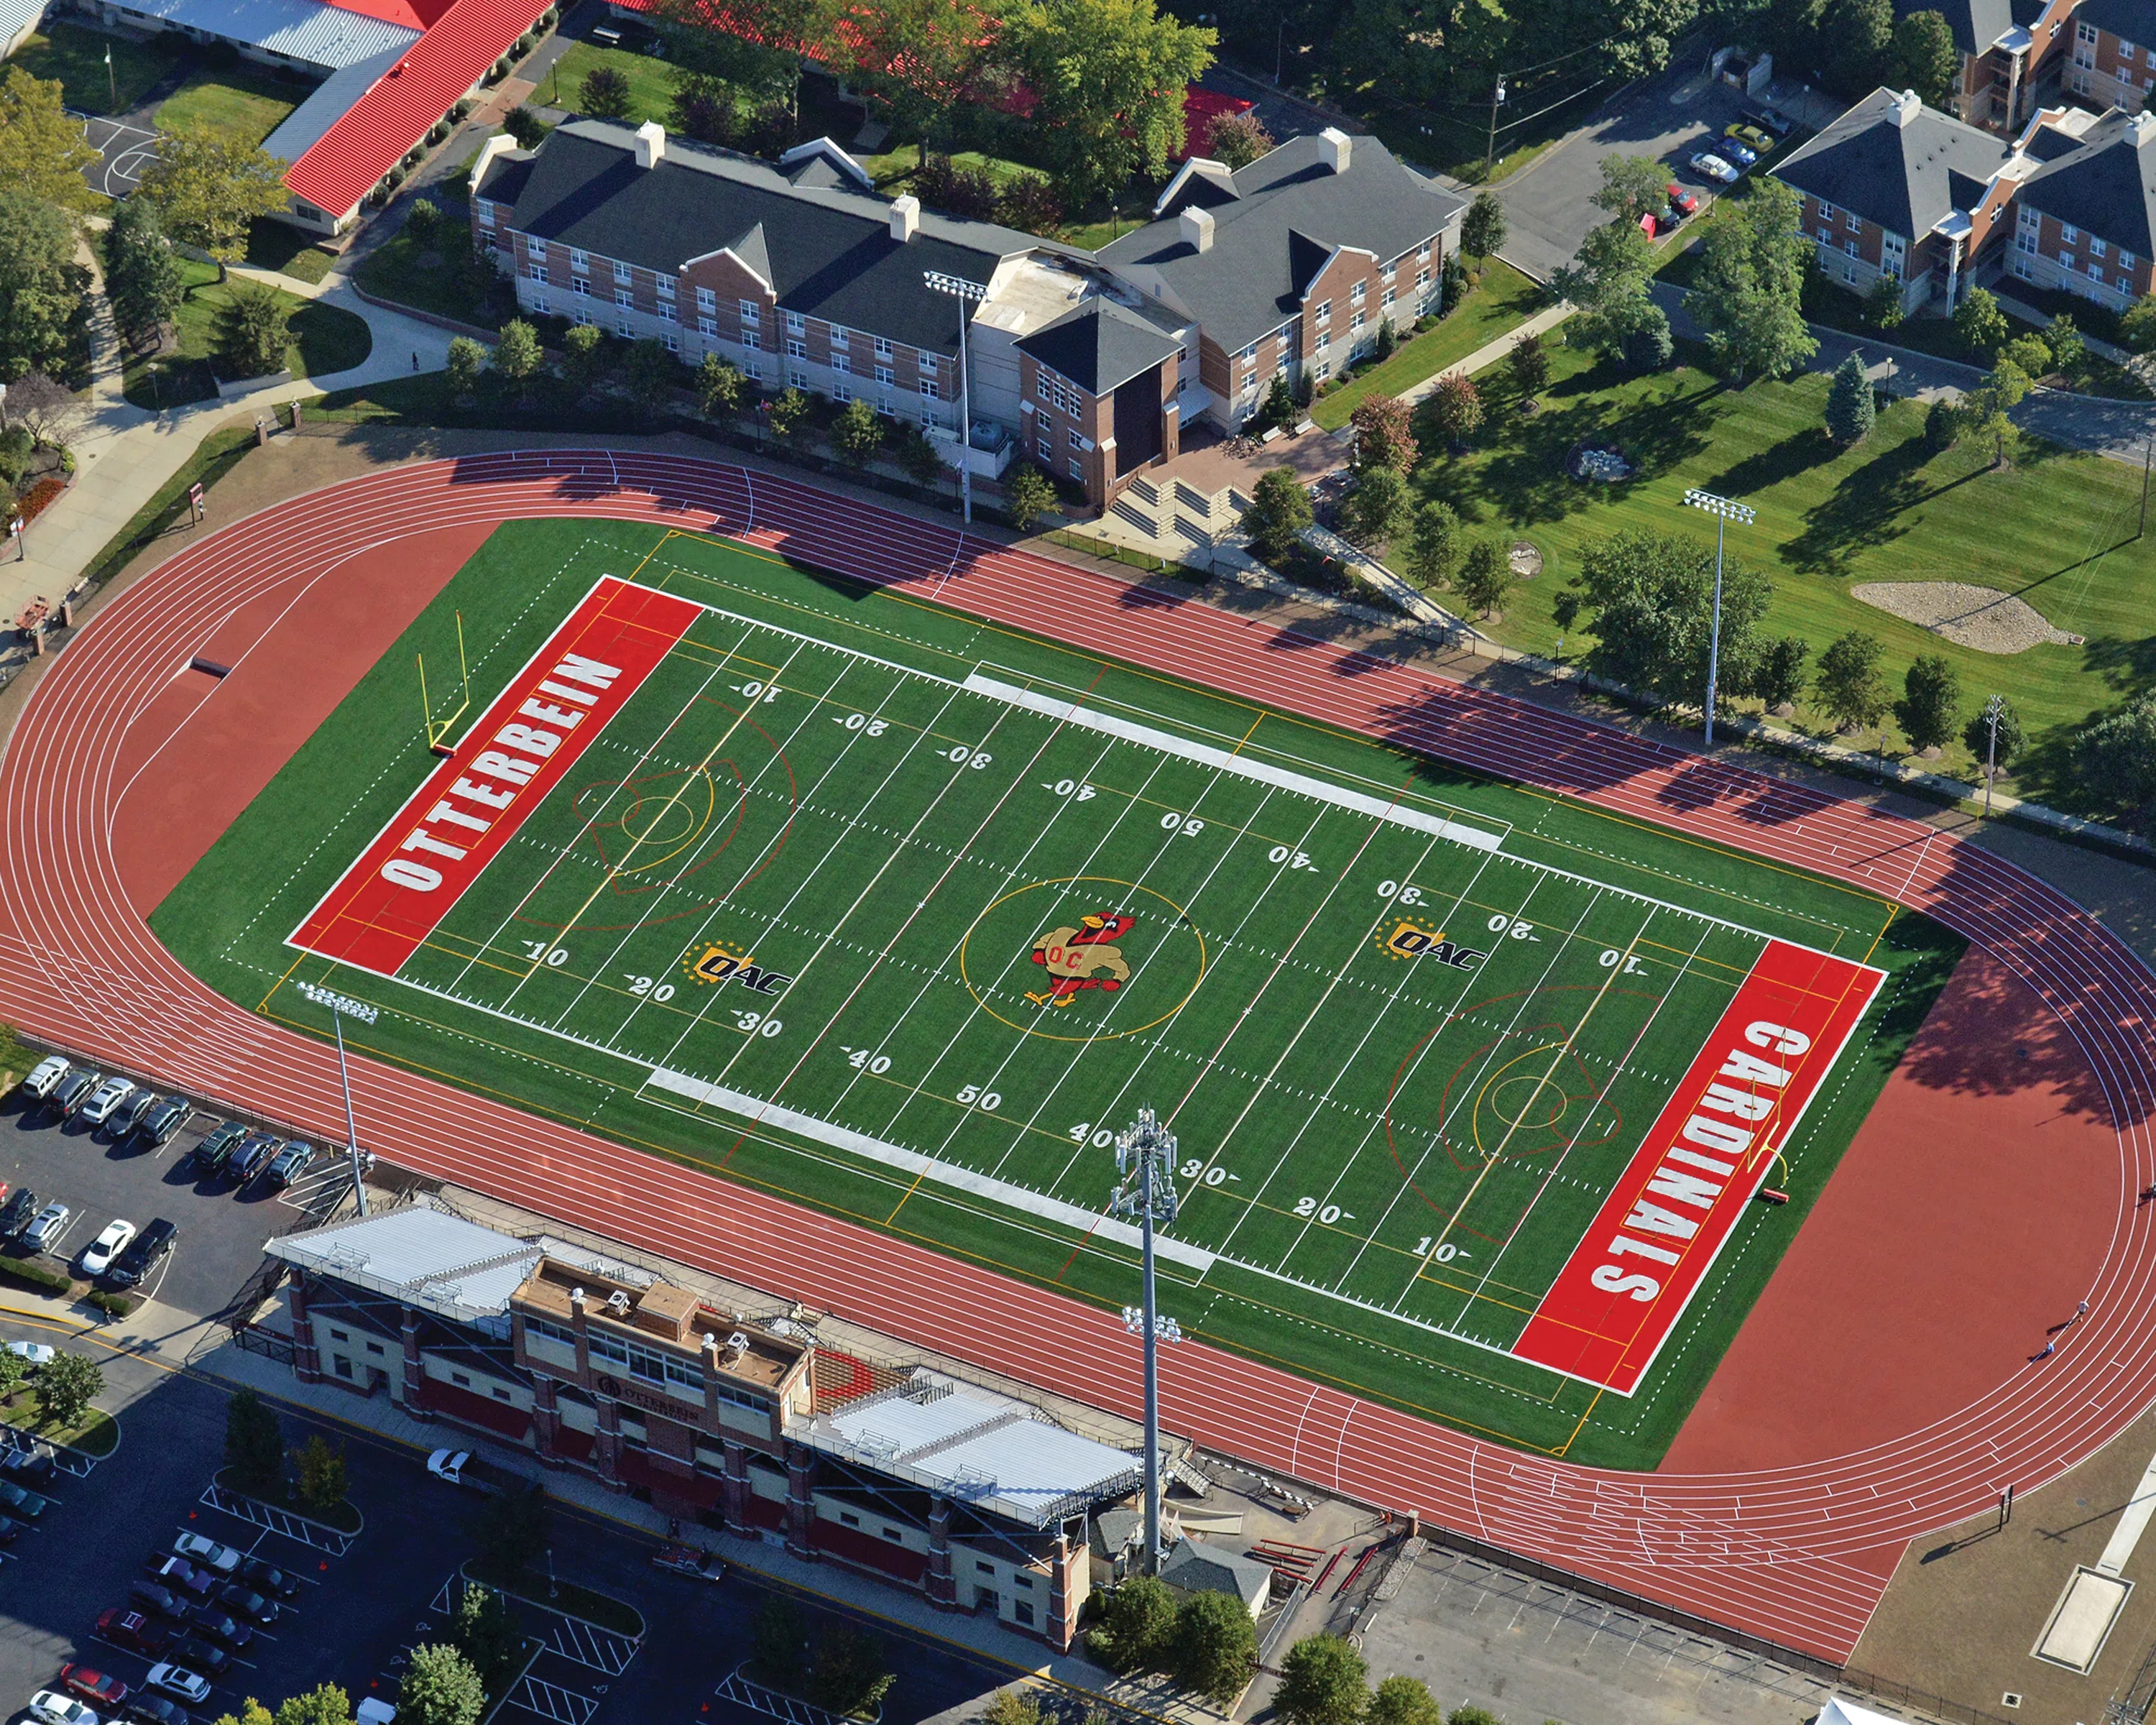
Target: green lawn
point(245, 105)
point(2056, 528)
point(650, 81)
point(897, 846)
point(1502, 299)
point(97, 1434)
point(434, 275)
point(325, 339)
point(75, 56)
point(280, 246)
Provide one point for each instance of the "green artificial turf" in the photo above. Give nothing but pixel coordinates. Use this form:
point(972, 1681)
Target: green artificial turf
point(897, 845)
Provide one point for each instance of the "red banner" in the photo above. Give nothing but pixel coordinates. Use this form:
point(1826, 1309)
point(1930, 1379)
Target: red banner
point(396, 894)
point(1622, 1291)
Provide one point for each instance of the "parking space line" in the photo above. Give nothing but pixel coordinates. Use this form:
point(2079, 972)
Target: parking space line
point(276, 1520)
point(551, 1701)
point(770, 1702)
point(595, 1648)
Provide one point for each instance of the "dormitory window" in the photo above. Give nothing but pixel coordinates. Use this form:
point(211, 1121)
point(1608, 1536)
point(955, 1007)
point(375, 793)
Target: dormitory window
point(749, 312)
point(579, 259)
point(706, 301)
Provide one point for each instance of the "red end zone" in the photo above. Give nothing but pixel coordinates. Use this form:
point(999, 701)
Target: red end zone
point(398, 891)
point(1624, 1288)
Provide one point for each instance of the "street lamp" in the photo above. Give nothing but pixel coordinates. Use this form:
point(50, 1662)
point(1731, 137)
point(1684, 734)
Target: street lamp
point(1724, 510)
point(1993, 709)
point(1145, 1174)
point(966, 293)
point(339, 1005)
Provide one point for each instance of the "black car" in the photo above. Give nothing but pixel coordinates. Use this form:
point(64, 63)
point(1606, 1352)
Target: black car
point(1772, 120)
point(129, 1114)
point(242, 1601)
point(199, 1655)
point(15, 1214)
point(28, 1465)
point(10, 1531)
point(215, 1150)
point(144, 1253)
point(252, 1157)
point(146, 1709)
point(161, 1122)
point(291, 1163)
point(220, 1625)
point(153, 1596)
point(266, 1577)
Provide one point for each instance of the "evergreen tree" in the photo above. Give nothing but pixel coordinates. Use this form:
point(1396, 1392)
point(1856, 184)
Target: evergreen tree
point(1849, 406)
point(1529, 365)
point(253, 1445)
point(1483, 229)
point(142, 272)
point(1931, 701)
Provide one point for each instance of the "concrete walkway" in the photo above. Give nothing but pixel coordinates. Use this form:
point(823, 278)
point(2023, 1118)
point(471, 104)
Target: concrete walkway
point(1483, 357)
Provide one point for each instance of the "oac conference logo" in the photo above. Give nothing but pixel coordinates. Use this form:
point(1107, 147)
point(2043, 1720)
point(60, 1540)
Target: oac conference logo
point(720, 963)
point(1410, 940)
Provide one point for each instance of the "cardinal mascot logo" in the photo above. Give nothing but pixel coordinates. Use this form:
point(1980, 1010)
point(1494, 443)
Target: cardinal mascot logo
point(1082, 957)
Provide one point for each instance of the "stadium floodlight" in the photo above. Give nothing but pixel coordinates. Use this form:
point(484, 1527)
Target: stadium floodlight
point(1145, 1175)
point(967, 294)
point(1724, 510)
point(340, 1006)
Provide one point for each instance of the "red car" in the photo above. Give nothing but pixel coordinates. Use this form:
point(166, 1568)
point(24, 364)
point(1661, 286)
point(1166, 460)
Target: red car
point(131, 1630)
point(93, 1685)
point(1682, 204)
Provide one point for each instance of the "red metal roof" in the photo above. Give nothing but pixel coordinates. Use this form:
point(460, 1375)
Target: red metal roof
point(413, 14)
point(373, 134)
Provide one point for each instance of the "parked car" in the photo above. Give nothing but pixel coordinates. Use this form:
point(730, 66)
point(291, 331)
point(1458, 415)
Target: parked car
point(93, 1685)
point(144, 1253)
point(15, 1214)
point(290, 1162)
point(10, 1531)
point(1737, 151)
point(155, 1596)
point(242, 1601)
point(206, 1553)
point(194, 1653)
point(133, 1630)
point(179, 1681)
point(46, 1073)
point(24, 1505)
point(27, 1463)
point(252, 1157)
point(51, 1707)
point(1750, 136)
point(98, 1255)
point(43, 1234)
point(1771, 120)
point(220, 1625)
point(38, 1353)
point(266, 1577)
point(155, 1710)
point(214, 1151)
point(183, 1578)
point(162, 1121)
point(1713, 168)
point(1682, 204)
point(687, 1560)
point(68, 1094)
point(128, 1116)
point(106, 1098)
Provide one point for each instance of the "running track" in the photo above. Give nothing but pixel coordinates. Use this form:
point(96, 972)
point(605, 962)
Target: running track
point(1797, 1554)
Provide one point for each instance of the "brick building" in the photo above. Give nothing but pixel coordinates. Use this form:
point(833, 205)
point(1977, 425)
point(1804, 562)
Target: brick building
point(2112, 61)
point(2084, 215)
point(2012, 54)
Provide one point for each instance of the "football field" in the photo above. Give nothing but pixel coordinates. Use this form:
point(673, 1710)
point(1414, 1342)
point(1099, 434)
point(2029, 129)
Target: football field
point(856, 899)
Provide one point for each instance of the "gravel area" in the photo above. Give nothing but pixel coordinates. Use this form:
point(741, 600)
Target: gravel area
point(1969, 616)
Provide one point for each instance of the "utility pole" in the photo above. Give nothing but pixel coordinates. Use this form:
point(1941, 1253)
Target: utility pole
point(1145, 1173)
point(1992, 709)
point(1724, 510)
point(1490, 151)
point(2148, 453)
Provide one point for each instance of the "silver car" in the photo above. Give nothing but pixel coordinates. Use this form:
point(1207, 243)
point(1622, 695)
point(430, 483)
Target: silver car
point(44, 1231)
point(107, 1096)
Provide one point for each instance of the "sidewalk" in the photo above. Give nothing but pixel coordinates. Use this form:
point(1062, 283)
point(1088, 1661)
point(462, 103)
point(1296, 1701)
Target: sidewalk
point(1483, 357)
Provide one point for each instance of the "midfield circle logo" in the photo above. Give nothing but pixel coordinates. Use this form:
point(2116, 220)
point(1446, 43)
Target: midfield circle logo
point(1075, 957)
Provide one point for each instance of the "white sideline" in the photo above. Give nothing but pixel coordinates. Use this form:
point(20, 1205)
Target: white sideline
point(1264, 772)
point(912, 1161)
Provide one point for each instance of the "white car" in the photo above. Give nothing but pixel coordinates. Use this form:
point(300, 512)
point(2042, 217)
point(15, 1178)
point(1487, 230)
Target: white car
point(47, 1073)
point(98, 1255)
point(45, 1228)
point(37, 1353)
point(54, 1708)
point(1714, 167)
point(178, 1680)
point(107, 1096)
point(206, 1553)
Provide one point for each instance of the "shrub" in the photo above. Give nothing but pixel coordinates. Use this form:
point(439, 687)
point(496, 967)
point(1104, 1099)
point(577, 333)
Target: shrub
point(527, 128)
point(1030, 203)
point(605, 94)
point(423, 220)
point(30, 1274)
point(1237, 140)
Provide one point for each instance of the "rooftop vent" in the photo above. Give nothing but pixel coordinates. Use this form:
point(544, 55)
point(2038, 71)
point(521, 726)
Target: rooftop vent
point(650, 144)
point(1334, 147)
point(904, 216)
point(617, 1303)
point(1197, 228)
point(1908, 105)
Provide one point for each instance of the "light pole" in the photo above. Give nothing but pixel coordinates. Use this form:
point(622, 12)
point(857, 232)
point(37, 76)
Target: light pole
point(339, 1005)
point(1497, 102)
point(1724, 510)
point(1145, 1175)
point(1993, 709)
point(966, 293)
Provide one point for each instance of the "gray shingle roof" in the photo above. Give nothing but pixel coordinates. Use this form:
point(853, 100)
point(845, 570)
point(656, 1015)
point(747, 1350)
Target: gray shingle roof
point(1976, 23)
point(828, 251)
point(1207, 1569)
point(1289, 212)
point(2107, 187)
point(1907, 177)
point(2130, 20)
point(1098, 345)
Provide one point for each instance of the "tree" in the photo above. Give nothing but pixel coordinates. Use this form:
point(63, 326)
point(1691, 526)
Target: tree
point(142, 273)
point(467, 360)
point(1384, 434)
point(1238, 140)
point(1484, 578)
point(1029, 494)
point(43, 150)
point(788, 414)
point(1403, 1700)
point(857, 434)
point(1849, 684)
point(486, 1628)
point(1632, 186)
point(650, 375)
point(322, 1477)
point(254, 328)
point(1377, 509)
point(718, 388)
point(1931, 701)
point(2030, 351)
point(2115, 759)
point(1323, 1682)
point(327, 1705)
point(1214, 1649)
point(2068, 348)
point(1476, 1715)
point(53, 414)
point(1529, 364)
point(1977, 735)
point(1925, 59)
point(1982, 411)
point(13, 1369)
point(1779, 678)
point(1013, 1706)
point(1862, 34)
point(67, 1384)
point(1109, 76)
point(1433, 549)
point(1980, 323)
point(1749, 296)
point(1848, 406)
point(251, 1712)
point(1648, 345)
point(923, 61)
point(1278, 408)
point(517, 357)
point(40, 284)
point(2136, 325)
point(1279, 510)
point(1138, 1623)
point(605, 94)
point(253, 1445)
point(512, 1529)
point(779, 1641)
point(1454, 407)
point(851, 1674)
point(1483, 229)
point(704, 38)
point(1648, 598)
point(584, 356)
point(208, 186)
point(439, 1687)
point(1883, 306)
point(1606, 283)
point(525, 126)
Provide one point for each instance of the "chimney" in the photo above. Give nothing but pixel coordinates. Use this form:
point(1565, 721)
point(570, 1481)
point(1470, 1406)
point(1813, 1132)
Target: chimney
point(1908, 105)
point(650, 144)
point(1333, 147)
point(1197, 227)
point(904, 216)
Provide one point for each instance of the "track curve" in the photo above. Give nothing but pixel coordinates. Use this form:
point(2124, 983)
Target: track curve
point(1797, 1554)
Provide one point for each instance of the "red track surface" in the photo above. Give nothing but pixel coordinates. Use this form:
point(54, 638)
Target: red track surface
point(1798, 1554)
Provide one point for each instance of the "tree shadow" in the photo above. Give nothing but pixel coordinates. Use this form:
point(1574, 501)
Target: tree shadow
point(1864, 511)
point(2127, 666)
point(1808, 449)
